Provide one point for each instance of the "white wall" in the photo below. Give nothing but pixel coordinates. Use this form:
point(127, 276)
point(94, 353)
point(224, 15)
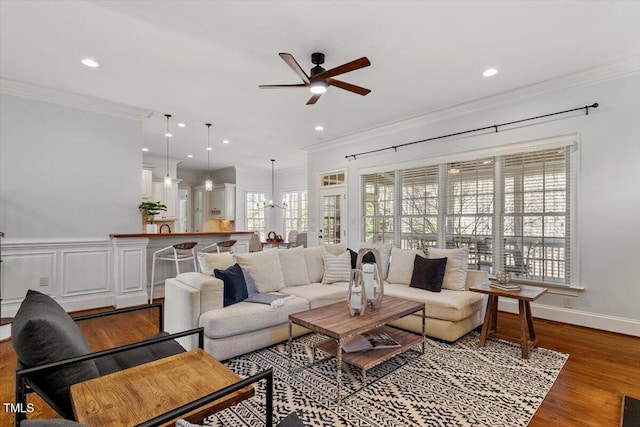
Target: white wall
point(66, 172)
point(608, 182)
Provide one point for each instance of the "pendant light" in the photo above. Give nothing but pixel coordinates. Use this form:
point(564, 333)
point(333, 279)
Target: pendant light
point(262, 205)
point(208, 184)
point(168, 182)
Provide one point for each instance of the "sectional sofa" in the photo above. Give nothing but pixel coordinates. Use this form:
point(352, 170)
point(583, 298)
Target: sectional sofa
point(304, 278)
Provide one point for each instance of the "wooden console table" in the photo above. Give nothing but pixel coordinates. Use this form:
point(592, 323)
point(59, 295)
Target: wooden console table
point(524, 295)
point(134, 395)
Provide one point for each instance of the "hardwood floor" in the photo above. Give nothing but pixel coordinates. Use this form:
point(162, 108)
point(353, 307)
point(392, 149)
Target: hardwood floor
point(602, 367)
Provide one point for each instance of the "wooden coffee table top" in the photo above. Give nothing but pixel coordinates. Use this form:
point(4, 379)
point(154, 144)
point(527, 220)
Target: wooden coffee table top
point(335, 321)
point(138, 394)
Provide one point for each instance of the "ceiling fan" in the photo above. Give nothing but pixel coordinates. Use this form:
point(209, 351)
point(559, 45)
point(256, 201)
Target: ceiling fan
point(319, 79)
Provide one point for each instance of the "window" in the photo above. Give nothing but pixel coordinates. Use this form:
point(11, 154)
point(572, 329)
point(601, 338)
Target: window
point(512, 211)
point(469, 209)
point(419, 215)
point(378, 191)
point(336, 178)
point(536, 230)
point(295, 213)
point(256, 219)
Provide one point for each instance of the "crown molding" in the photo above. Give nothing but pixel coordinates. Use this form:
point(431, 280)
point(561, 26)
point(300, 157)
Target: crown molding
point(603, 73)
point(69, 99)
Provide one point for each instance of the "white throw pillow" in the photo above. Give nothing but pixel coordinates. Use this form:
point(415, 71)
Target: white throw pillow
point(210, 261)
point(335, 248)
point(455, 274)
point(401, 265)
point(315, 264)
point(385, 255)
point(336, 268)
point(293, 266)
point(264, 267)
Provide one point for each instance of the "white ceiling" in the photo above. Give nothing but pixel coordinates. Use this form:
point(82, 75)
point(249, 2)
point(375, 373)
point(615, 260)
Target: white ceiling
point(202, 61)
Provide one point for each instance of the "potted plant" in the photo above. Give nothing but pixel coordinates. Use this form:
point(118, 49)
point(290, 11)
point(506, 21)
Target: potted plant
point(149, 209)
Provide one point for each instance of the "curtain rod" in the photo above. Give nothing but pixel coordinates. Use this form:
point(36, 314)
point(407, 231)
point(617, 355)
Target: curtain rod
point(395, 147)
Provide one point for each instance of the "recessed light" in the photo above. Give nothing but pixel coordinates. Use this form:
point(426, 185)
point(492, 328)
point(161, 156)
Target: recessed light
point(181, 125)
point(490, 72)
point(190, 156)
point(90, 63)
point(319, 128)
point(226, 141)
point(145, 149)
point(168, 135)
point(209, 148)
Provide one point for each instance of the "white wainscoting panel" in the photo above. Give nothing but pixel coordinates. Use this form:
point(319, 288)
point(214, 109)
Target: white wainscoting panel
point(130, 270)
point(21, 271)
point(86, 271)
point(80, 273)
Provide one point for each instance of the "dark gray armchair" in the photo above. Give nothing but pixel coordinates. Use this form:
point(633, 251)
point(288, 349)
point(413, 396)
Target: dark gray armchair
point(53, 353)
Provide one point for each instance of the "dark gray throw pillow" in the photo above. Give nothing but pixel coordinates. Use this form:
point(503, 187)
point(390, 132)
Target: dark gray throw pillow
point(428, 273)
point(42, 332)
point(367, 258)
point(235, 287)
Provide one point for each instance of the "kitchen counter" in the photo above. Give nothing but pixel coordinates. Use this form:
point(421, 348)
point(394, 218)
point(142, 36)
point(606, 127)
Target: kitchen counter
point(140, 247)
point(155, 235)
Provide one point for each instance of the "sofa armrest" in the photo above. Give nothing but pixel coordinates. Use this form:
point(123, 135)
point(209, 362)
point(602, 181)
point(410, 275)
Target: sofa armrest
point(186, 297)
point(476, 277)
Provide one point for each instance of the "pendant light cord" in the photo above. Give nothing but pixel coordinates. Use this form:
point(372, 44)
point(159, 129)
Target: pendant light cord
point(208, 145)
point(167, 136)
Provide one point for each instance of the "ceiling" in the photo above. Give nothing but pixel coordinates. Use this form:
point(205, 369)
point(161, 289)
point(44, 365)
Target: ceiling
point(202, 61)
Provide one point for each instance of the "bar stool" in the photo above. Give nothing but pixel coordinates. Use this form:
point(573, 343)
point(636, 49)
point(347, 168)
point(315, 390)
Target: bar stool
point(224, 246)
point(176, 253)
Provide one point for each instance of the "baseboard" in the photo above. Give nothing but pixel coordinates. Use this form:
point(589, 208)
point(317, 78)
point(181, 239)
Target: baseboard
point(131, 299)
point(577, 317)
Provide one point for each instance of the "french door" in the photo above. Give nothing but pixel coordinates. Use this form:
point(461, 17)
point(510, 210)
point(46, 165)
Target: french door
point(333, 212)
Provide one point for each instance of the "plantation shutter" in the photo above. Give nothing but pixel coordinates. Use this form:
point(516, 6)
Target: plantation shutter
point(419, 207)
point(537, 215)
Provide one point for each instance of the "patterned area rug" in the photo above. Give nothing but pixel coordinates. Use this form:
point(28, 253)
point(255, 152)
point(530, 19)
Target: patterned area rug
point(455, 384)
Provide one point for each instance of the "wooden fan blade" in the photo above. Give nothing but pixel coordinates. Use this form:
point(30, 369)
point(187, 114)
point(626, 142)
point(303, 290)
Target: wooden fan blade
point(344, 68)
point(291, 62)
point(281, 86)
point(314, 99)
point(348, 86)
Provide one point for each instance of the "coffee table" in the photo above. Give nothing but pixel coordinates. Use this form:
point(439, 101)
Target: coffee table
point(141, 393)
point(524, 295)
point(336, 322)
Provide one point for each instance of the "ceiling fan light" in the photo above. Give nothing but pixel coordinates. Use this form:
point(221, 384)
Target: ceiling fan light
point(318, 87)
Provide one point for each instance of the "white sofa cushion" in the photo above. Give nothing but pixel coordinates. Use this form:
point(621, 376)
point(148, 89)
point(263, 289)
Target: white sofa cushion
point(320, 295)
point(401, 265)
point(335, 248)
point(445, 305)
point(315, 264)
point(455, 275)
point(210, 261)
point(246, 317)
point(336, 268)
point(385, 255)
point(293, 266)
point(264, 267)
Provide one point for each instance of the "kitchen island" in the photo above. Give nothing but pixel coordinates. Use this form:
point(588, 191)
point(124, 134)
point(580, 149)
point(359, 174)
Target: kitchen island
point(126, 253)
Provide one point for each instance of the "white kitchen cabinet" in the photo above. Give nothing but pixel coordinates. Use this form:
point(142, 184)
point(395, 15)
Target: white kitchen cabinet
point(223, 202)
point(146, 184)
point(168, 196)
point(199, 209)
